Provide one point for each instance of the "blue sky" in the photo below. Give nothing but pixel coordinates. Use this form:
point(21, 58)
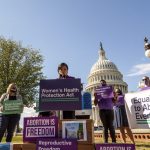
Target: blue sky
point(70, 31)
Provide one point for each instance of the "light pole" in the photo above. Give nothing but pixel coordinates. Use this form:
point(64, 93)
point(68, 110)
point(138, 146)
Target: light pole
point(147, 47)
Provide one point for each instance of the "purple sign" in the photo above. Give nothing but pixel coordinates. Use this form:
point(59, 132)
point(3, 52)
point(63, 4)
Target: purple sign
point(56, 144)
point(60, 94)
point(37, 127)
point(115, 147)
point(104, 92)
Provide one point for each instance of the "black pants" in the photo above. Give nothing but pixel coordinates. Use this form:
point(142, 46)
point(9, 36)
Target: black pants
point(9, 122)
point(107, 118)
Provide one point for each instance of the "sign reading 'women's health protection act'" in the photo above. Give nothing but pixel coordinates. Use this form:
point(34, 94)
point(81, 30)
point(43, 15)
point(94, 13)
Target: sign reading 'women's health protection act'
point(60, 94)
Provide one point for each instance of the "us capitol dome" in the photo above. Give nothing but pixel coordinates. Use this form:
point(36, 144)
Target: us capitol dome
point(107, 70)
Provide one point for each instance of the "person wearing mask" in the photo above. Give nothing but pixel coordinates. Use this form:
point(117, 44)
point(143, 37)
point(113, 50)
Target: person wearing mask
point(144, 84)
point(121, 120)
point(9, 121)
point(63, 74)
point(105, 103)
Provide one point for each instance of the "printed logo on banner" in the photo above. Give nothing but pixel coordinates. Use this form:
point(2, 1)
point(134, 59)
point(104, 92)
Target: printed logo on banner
point(115, 147)
point(60, 94)
point(56, 144)
point(36, 127)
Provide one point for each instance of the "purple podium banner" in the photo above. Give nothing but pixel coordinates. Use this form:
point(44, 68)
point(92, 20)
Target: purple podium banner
point(56, 144)
point(104, 92)
point(115, 147)
point(60, 94)
point(38, 127)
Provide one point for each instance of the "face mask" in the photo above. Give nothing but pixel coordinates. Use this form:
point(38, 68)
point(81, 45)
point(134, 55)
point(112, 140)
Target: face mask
point(103, 84)
point(13, 90)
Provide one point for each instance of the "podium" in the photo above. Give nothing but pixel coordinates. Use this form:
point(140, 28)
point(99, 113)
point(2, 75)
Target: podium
point(61, 95)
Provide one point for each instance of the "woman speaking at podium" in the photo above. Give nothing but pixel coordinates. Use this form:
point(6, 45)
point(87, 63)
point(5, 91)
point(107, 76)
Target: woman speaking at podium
point(9, 121)
point(63, 74)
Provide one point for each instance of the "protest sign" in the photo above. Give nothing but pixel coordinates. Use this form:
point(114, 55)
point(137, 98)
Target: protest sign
point(104, 92)
point(60, 94)
point(115, 147)
point(13, 107)
point(138, 109)
point(56, 144)
point(36, 127)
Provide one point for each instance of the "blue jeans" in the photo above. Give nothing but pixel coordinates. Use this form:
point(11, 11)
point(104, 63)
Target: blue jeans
point(8, 122)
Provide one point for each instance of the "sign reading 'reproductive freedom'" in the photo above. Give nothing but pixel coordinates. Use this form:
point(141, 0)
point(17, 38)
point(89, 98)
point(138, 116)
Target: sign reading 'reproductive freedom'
point(60, 94)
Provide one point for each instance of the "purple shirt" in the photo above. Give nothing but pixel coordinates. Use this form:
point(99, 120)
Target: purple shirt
point(120, 100)
point(104, 95)
point(66, 77)
point(145, 88)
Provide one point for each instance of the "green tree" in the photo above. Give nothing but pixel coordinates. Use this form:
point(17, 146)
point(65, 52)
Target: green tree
point(21, 65)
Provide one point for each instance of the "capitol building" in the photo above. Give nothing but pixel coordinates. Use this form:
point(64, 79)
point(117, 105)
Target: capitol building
point(107, 70)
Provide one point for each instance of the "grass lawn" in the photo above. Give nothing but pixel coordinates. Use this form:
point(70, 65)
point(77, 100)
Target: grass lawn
point(139, 145)
point(16, 139)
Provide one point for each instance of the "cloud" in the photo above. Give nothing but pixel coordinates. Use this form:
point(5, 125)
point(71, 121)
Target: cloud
point(140, 69)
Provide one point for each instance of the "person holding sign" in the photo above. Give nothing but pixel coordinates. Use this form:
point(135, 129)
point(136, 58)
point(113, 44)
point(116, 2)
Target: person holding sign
point(11, 100)
point(121, 120)
point(63, 74)
point(103, 96)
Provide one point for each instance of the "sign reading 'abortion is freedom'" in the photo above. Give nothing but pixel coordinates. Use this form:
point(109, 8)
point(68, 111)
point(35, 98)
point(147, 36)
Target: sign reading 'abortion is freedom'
point(60, 94)
point(36, 127)
point(138, 109)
